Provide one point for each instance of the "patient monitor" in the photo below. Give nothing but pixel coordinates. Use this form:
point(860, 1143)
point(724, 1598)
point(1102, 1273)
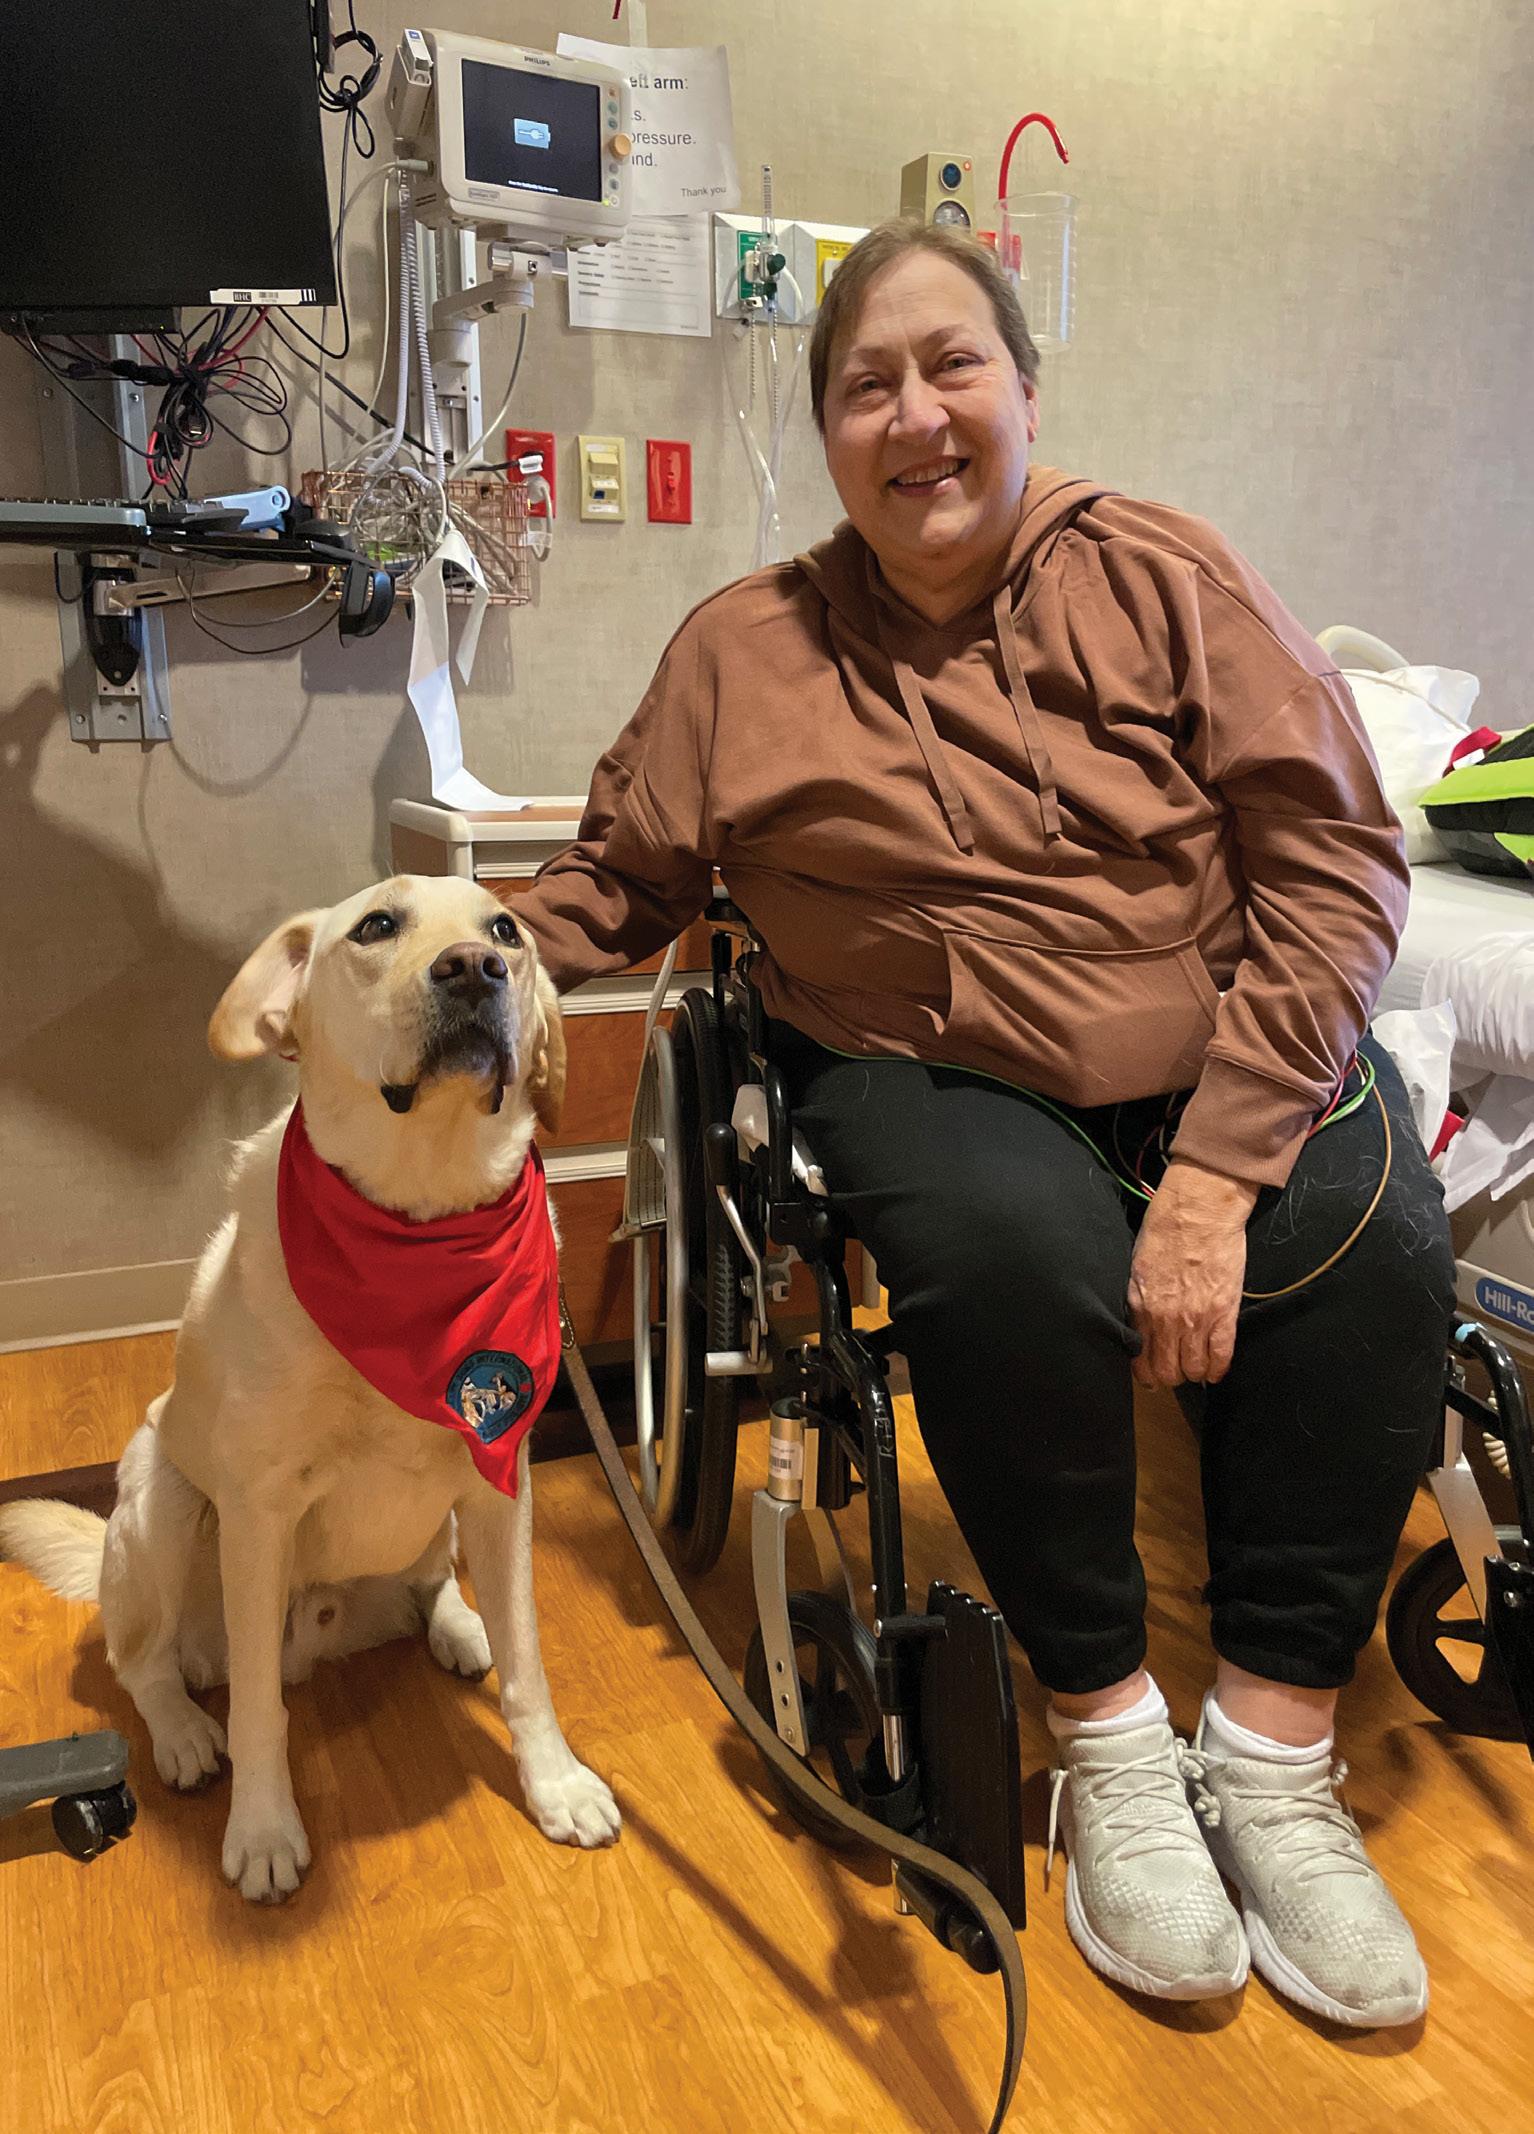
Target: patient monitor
point(523, 146)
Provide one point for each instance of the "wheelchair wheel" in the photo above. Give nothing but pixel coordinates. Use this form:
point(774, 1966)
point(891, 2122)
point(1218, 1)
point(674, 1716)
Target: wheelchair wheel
point(706, 1488)
point(1446, 1659)
point(835, 1656)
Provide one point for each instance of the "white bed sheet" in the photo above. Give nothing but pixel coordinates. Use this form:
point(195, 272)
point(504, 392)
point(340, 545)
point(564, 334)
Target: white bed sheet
point(1479, 933)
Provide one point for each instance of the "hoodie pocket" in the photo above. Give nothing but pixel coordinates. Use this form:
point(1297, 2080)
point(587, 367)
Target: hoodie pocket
point(1090, 1026)
point(872, 970)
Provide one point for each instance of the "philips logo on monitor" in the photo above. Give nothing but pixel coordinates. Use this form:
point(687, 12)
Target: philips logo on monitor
point(531, 133)
point(1516, 1306)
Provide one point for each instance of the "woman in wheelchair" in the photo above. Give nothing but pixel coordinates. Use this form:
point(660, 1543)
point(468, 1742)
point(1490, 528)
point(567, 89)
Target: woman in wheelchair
point(1075, 886)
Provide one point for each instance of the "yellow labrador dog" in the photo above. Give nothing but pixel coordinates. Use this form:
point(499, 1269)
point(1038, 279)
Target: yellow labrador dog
point(274, 1508)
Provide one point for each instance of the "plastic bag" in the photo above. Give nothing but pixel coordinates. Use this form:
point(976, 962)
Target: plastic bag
point(1414, 716)
point(1421, 1042)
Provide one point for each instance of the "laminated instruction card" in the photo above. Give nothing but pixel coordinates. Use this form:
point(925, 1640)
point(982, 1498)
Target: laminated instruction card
point(656, 278)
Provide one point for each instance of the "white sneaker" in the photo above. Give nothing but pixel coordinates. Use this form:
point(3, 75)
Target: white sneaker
point(1143, 1901)
point(1323, 1927)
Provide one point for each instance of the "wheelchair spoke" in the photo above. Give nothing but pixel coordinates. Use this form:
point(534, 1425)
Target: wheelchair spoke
point(849, 1782)
point(833, 1720)
point(1458, 1630)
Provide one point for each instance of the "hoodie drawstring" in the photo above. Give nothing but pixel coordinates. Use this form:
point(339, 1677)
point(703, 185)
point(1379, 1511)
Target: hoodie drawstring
point(932, 751)
point(1064, 500)
point(1029, 724)
point(944, 783)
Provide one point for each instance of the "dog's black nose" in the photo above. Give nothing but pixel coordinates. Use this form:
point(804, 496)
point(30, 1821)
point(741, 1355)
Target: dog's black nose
point(469, 970)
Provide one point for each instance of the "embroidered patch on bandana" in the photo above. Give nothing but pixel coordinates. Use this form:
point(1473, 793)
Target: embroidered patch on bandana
point(490, 1390)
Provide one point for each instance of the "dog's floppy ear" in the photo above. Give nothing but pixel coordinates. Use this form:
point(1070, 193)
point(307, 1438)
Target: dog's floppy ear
point(255, 1013)
point(546, 1082)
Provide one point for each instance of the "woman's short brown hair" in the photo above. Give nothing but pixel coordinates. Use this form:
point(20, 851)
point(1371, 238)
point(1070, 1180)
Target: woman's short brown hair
point(843, 300)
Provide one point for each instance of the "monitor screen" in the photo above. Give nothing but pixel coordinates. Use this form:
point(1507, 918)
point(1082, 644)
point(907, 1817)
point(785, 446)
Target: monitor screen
point(533, 130)
point(162, 153)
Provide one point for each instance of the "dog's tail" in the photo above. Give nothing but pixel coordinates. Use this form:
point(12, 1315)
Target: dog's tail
point(58, 1543)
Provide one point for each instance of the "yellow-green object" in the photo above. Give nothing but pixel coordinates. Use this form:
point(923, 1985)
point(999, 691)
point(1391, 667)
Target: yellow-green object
point(1484, 812)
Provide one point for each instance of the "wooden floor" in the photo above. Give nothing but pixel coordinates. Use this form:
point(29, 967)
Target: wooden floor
point(446, 1971)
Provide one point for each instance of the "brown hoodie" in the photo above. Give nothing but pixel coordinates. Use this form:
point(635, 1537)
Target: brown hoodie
point(1114, 831)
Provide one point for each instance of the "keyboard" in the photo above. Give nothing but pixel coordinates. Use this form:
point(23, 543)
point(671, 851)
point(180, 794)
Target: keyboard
point(49, 522)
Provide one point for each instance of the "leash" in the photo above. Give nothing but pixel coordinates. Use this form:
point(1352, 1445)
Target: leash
point(958, 1881)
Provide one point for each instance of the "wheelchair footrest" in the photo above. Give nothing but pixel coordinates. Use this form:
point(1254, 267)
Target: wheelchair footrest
point(971, 1766)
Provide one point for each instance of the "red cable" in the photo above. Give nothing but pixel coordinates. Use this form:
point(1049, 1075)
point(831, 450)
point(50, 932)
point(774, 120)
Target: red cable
point(254, 327)
point(1336, 1098)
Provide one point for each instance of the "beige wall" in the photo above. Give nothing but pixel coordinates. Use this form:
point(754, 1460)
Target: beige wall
point(1305, 309)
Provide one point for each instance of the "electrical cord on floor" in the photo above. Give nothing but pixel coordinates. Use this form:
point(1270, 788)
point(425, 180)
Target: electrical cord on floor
point(795, 1774)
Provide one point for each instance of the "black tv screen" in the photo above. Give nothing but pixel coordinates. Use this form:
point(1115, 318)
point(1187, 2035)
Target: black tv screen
point(160, 153)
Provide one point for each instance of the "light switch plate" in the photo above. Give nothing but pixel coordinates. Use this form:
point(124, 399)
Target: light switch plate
point(604, 477)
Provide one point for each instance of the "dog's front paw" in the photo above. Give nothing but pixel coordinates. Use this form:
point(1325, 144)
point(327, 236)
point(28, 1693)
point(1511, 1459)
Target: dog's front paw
point(187, 1747)
point(577, 1808)
point(458, 1642)
point(265, 1850)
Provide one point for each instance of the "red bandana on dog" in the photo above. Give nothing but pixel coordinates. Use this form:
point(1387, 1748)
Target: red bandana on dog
point(455, 1320)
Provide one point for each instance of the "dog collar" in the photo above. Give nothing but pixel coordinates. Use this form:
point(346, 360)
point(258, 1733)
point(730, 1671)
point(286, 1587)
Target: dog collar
point(455, 1320)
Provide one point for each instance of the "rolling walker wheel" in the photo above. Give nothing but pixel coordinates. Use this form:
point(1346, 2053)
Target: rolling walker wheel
point(89, 1823)
point(835, 1654)
point(1421, 1637)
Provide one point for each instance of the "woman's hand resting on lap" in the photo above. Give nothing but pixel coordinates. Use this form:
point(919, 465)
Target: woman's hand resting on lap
point(1185, 1283)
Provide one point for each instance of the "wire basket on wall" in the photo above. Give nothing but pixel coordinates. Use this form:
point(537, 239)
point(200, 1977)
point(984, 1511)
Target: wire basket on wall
point(398, 521)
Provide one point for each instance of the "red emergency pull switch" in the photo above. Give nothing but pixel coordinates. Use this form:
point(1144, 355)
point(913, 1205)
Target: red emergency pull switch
point(668, 465)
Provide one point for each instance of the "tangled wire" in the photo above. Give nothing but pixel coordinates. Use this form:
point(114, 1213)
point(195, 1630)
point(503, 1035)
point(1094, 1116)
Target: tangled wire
point(197, 374)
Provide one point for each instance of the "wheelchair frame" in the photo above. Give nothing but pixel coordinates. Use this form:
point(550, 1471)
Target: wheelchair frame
point(1495, 1564)
point(956, 1780)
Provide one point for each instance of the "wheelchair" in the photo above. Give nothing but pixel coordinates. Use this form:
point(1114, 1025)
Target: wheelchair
point(913, 1719)
point(1460, 1622)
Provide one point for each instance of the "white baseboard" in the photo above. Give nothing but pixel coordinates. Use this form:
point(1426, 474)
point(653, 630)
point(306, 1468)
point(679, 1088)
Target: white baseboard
point(49, 1310)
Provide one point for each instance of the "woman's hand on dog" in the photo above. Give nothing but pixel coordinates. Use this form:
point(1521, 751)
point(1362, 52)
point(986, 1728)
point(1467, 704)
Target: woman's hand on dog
point(1185, 1281)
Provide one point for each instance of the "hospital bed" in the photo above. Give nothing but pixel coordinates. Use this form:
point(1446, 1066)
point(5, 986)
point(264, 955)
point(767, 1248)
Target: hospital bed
point(1467, 946)
point(1470, 940)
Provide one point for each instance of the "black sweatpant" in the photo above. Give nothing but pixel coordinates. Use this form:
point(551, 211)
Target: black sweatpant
point(1005, 1246)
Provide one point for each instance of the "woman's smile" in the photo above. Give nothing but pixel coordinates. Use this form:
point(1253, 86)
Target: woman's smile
point(931, 478)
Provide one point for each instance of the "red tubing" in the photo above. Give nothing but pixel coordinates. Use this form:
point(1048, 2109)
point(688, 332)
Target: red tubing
point(1034, 118)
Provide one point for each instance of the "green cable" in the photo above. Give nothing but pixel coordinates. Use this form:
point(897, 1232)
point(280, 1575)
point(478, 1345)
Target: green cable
point(1127, 1185)
point(1346, 1111)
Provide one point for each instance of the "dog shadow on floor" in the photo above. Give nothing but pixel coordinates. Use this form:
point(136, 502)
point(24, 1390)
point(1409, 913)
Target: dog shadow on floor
point(381, 1743)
